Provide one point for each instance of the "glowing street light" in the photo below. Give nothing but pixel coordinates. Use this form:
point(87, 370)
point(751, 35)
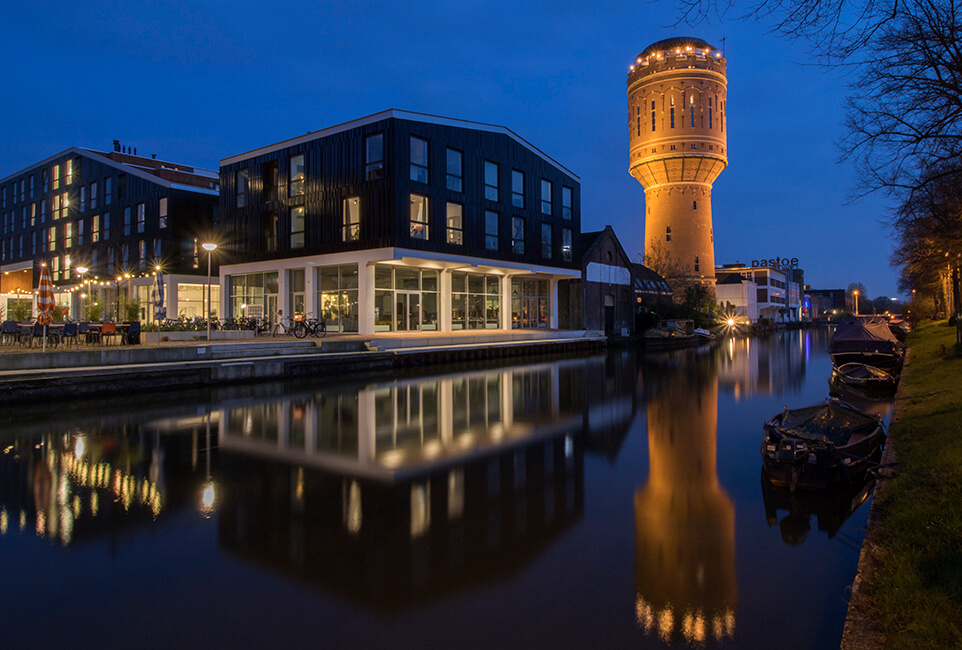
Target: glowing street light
point(82, 270)
point(209, 247)
point(855, 293)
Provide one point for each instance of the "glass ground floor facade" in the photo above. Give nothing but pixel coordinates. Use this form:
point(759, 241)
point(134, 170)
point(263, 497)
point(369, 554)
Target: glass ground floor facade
point(399, 293)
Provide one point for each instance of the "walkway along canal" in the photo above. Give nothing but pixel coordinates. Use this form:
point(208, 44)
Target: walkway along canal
point(572, 501)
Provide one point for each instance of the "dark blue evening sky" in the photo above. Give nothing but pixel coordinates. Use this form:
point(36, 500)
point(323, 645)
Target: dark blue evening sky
point(198, 81)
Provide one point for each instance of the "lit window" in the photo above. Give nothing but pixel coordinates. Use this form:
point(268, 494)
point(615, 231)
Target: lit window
point(419, 216)
point(56, 178)
point(95, 228)
point(419, 160)
point(243, 181)
point(295, 186)
point(51, 239)
point(68, 235)
point(162, 211)
point(517, 188)
point(490, 180)
point(491, 230)
point(545, 196)
point(68, 172)
point(517, 235)
point(455, 170)
point(297, 227)
point(455, 223)
point(374, 156)
point(351, 219)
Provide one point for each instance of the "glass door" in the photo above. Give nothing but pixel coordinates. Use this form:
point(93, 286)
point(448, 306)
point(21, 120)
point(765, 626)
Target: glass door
point(408, 311)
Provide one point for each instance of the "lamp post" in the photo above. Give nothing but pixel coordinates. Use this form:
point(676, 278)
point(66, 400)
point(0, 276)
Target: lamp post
point(855, 293)
point(82, 270)
point(209, 247)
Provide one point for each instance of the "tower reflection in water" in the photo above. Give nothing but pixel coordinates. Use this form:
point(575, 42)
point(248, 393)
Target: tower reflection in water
point(684, 521)
point(406, 491)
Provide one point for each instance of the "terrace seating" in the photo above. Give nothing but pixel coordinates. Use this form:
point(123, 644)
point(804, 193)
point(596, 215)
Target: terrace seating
point(10, 333)
point(131, 336)
point(68, 334)
point(108, 329)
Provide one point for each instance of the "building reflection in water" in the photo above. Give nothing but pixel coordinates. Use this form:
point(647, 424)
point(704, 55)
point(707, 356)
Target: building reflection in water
point(405, 491)
point(684, 521)
point(766, 365)
point(99, 479)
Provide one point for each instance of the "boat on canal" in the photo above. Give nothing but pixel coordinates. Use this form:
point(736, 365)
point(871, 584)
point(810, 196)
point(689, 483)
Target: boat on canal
point(864, 375)
point(867, 340)
point(817, 447)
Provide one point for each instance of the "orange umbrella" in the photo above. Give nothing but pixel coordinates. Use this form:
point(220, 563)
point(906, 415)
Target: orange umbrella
point(45, 301)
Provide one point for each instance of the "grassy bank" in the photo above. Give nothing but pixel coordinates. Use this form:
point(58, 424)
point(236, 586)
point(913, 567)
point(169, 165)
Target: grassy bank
point(916, 589)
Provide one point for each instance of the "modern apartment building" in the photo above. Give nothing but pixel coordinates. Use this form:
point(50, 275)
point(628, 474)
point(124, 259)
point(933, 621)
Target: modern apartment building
point(399, 222)
point(104, 222)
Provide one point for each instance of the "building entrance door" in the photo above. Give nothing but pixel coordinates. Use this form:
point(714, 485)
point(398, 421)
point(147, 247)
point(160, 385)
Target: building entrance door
point(529, 312)
point(407, 311)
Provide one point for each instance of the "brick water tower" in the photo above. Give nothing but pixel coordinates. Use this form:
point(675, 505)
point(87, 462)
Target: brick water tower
point(677, 113)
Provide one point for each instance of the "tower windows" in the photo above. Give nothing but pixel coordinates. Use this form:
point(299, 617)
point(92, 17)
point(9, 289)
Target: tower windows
point(709, 113)
point(696, 264)
point(672, 112)
point(638, 120)
point(691, 109)
point(694, 205)
point(668, 233)
point(653, 115)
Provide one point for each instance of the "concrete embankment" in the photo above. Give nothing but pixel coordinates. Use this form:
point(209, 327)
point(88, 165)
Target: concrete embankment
point(126, 370)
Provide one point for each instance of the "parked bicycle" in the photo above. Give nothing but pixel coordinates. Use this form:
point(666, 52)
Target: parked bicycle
point(284, 325)
point(310, 326)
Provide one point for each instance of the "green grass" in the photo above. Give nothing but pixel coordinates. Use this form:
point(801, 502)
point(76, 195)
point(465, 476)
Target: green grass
point(916, 590)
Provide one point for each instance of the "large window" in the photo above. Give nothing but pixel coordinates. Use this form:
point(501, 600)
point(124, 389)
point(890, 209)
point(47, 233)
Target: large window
point(93, 196)
point(419, 160)
point(126, 221)
point(337, 297)
point(270, 231)
point(141, 217)
point(530, 307)
point(253, 289)
point(517, 235)
point(546, 240)
point(490, 180)
point(455, 223)
point(517, 188)
point(269, 181)
point(55, 174)
point(95, 228)
point(491, 220)
point(566, 202)
point(374, 156)
point(297, 227)
point(419, 216)
point(405, 299)
point(295, 184)
point(475, 301)
point(455, 170)
point(545, 196)
point(351, 219)
point(243, 182)
point(108, 190)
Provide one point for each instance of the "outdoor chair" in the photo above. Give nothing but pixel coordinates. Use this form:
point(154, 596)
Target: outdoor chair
point(84, 330)
point(69, 333)
point(132, 335)
point(10, 332)
point(108, 329)
point(38, 334)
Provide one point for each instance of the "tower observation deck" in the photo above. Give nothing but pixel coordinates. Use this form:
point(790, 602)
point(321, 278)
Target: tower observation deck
point(677, 110)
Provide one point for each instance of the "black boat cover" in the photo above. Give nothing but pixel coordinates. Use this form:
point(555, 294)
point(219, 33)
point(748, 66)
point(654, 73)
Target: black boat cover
point(832, 422)
point(864, 334)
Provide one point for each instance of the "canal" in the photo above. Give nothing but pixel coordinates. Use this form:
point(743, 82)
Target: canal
point(612, 501)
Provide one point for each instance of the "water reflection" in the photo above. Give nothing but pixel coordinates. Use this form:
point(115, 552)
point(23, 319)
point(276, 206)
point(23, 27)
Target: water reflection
point(684, 520)
point(769, 364)
point(830, 508)
point(405, 491)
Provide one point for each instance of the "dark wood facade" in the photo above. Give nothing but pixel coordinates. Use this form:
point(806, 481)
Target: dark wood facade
point(335, 170)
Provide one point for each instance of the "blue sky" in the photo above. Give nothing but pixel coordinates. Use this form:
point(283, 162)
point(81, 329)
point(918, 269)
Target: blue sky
point(198, 81)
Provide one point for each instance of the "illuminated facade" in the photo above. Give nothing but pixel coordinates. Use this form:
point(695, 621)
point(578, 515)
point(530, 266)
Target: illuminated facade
point(677, 110)
point(400, 222)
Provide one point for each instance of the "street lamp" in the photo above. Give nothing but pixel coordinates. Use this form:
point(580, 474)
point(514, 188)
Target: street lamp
point(855, 293)
point(209, 247)
point(82, 270)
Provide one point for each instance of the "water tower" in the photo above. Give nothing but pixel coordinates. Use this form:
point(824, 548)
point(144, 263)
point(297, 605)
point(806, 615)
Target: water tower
point(677, 111)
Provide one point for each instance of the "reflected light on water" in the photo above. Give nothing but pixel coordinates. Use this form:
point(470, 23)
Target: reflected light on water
point(4, 521)
point(79, 447)
point(208, 499)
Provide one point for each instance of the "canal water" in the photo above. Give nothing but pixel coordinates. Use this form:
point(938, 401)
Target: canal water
point(609, 501)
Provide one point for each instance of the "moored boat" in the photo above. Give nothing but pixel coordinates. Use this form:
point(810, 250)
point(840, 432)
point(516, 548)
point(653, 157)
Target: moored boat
point(868, 340)
point(862, 374)
point(819, 446)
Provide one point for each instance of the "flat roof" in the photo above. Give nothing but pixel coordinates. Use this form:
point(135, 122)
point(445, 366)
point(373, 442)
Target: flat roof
point(400, 115)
